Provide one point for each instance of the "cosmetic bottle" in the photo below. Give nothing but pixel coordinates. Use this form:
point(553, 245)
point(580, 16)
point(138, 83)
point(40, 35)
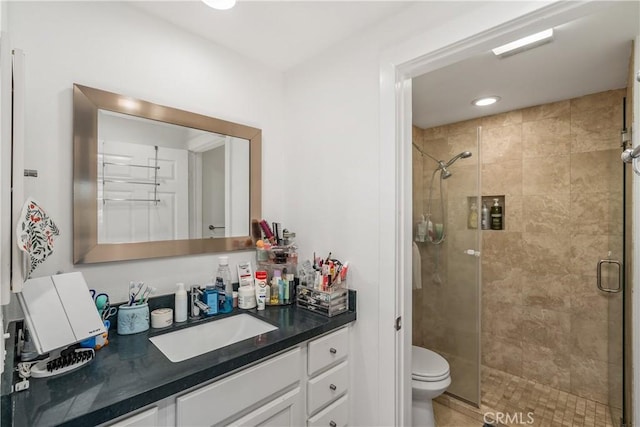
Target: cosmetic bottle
point(261, 289)
point(180, 309)
point(485, 219)
point(223, 284)
point(496, 215)
point(275, 287)
point(473, 216)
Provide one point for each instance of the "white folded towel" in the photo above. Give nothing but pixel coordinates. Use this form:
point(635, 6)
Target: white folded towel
point(416, 267)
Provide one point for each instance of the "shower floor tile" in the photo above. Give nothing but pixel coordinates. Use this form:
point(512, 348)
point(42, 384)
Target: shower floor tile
point(522, 402)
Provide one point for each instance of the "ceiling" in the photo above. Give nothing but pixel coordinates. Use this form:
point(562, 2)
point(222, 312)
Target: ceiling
point(279, 34)
point(587, 55)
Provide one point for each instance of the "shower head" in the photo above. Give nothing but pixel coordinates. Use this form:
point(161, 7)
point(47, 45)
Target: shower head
point(444, 172)
point(463, 155)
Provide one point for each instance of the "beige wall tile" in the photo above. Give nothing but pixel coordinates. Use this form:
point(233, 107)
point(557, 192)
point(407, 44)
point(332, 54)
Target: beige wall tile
point(590, 172)
point(504, 247)
point(436, 132)
point(546, 366)
point(502, 354)
point(546, 175)
point(589, 379)
point(589, 337)
point(545, 214)
point(504, 177)
point(547, 328)
point(546, 111)
point(547, 137)
point(596, 129)
point(503, 119)
point(586, 300)
point(504, 321)
point(586, 251)
point(609, 98)
point(590, 213)
point(546, 253)
point(468, 126)
point(550, 291)
point(513, 214)
point(502, 143)
point(501, 284)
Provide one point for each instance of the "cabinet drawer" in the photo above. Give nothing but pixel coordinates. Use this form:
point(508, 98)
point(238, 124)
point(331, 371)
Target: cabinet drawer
point(216, 402)
point(328, 350)
point(335, 415)
point(327, 386)
point(148, 417)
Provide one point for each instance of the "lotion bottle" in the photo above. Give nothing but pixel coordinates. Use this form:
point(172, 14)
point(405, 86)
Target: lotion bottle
point(496, 215)
point(485, 221)
point(180, 311)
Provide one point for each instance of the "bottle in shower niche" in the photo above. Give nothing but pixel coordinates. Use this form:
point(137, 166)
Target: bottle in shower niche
point(473, 216)
point(485, 218)
point(496, 215)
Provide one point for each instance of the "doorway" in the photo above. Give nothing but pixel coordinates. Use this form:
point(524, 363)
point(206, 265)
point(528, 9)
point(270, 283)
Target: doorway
point(607, 275)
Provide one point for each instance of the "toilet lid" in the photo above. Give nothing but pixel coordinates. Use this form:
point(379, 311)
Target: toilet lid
point(428, 365)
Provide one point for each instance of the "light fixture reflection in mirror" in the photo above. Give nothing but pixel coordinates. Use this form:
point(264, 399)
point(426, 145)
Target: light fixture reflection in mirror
point(161, 181)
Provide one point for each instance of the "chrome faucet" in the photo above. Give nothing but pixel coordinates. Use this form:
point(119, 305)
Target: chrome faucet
point(196, 307)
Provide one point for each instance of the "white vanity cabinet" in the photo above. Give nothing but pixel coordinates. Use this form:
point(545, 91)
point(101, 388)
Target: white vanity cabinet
point(328, 380)
point(307, 384)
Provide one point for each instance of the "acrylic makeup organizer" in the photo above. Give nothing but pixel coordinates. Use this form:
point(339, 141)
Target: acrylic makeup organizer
point(280, 258)
point(331, 302)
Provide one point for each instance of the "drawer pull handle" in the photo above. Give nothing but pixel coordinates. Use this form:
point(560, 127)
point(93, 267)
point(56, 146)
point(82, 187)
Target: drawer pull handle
point(333, 387)
point(333, 350)
point(333, 424)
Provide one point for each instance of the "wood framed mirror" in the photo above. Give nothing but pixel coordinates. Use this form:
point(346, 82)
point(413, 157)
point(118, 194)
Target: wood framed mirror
point(152, 181)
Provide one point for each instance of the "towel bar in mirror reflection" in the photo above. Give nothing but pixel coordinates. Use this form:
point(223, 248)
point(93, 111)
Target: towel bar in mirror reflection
point(167, 175)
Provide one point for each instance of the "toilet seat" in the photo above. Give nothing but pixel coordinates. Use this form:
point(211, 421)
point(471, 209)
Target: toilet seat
point(428, 366)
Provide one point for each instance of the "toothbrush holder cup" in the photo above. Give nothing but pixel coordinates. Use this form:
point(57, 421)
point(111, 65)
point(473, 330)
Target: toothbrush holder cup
point(133, 319)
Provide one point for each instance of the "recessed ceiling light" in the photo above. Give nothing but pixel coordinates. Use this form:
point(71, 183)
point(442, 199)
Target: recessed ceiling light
point(483, 102)
point(220, 4)
point(525, 43)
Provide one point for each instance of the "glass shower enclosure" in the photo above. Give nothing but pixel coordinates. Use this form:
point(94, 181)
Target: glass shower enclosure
point(447, 216)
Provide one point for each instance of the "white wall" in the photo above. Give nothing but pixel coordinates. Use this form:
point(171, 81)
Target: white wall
point(111, 46)
point(333, 114)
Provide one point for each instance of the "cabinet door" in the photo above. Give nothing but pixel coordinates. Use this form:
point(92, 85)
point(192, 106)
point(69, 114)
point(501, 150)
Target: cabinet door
point(280, 412)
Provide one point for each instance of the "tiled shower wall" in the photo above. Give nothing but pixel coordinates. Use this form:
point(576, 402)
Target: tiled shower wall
point(542, 316)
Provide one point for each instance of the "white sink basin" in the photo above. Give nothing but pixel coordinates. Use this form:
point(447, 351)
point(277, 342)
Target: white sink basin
point(196, 340)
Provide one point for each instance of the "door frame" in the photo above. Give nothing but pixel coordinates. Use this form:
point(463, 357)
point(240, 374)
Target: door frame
point(438, 48)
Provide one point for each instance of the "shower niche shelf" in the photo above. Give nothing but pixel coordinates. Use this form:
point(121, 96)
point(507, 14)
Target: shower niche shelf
point(488, 200)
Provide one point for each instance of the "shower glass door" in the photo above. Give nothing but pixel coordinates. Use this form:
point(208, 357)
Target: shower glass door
point(612, 275)
point(447, 213)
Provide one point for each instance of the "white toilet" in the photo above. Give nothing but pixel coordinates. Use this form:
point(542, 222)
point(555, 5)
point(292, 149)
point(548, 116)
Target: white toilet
point(429, 379)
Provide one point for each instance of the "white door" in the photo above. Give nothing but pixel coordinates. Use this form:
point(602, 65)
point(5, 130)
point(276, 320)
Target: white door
point(280, 412)
point(131, 207)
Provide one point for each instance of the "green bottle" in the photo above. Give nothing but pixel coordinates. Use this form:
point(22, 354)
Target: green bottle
point(496, 215)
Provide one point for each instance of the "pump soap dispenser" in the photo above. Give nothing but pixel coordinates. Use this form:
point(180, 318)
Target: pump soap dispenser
point(496, 215)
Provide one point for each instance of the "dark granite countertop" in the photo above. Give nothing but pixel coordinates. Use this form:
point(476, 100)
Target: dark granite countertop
point(131, 372)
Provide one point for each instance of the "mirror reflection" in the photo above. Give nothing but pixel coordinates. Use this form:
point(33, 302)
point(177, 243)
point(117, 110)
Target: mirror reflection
point(153, 181)
point(160, 181)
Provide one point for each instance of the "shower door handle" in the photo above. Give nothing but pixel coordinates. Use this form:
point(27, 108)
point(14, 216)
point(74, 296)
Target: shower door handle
point(472, 252)
point(599, 275)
